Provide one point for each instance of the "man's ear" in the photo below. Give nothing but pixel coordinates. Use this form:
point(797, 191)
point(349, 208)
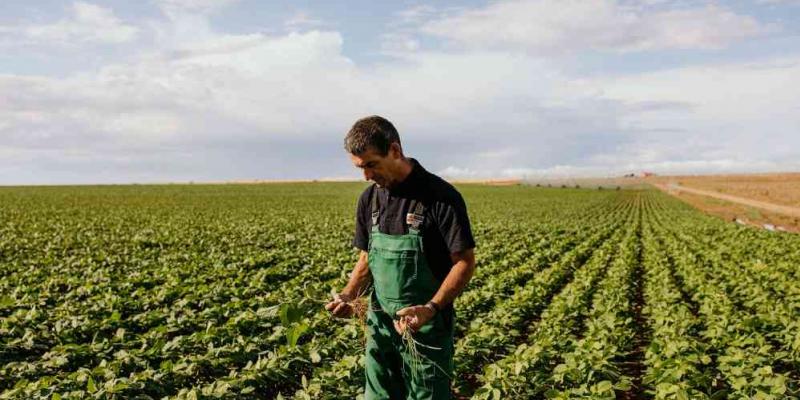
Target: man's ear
point(395, 150)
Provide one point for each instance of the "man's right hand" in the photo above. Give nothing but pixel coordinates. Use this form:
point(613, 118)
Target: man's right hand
point(340, 306)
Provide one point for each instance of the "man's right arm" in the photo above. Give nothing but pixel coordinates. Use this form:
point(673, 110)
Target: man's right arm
point(359, 281)
point(360, 278)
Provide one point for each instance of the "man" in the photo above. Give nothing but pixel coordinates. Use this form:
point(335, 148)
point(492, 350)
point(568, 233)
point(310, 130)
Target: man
point(417, 252)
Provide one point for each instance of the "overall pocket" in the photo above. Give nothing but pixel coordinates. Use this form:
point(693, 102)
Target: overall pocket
point(394, 273)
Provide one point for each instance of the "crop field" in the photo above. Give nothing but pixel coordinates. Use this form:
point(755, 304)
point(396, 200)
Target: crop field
point(217, 291)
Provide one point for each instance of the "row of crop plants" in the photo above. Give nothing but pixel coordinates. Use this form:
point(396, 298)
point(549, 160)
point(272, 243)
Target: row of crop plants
point(678, 362)
point(741, 347)
point(526, 371)
point(592, 365)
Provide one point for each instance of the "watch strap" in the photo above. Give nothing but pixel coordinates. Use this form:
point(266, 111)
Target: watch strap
point(432, 304)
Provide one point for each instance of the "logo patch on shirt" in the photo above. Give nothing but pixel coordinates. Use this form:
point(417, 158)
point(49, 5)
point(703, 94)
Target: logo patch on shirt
point(414, 220)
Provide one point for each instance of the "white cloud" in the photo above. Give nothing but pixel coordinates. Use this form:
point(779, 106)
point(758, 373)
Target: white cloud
point(683, 167)
point(401, 36)
point(779, 2)
point(86, 24)
point(198, 7)
point(453, 172)
point(215, 98)
point(210, 105)
point(569, 25)
point(722, 96)
point(416, 14)
point(748, 112)
point(262, 103)
point(302, 19)
point(399, 44)
point(733, 117)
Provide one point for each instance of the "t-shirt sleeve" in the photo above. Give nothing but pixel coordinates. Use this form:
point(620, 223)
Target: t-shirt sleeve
point(361, 238)
point(453, 223)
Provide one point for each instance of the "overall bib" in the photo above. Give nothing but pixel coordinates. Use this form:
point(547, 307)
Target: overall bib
point(402, 278)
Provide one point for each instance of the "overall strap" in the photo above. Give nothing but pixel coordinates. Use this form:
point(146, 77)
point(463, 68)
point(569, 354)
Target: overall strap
point(374, 207)
point(415, 216)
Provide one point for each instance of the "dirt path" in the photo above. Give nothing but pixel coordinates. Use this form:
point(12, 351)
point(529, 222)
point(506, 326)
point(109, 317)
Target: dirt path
point(785, 210)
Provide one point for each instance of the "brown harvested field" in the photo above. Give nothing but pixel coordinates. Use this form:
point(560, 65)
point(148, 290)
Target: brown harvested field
point(745, 214)
point(782, 189)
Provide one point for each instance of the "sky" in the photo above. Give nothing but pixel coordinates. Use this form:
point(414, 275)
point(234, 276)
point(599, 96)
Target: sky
point(217, 90)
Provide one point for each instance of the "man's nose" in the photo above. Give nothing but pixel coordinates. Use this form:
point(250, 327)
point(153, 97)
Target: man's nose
point(368, 174)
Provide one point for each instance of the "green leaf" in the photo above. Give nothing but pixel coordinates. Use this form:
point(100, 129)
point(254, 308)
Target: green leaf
point(719, 395)
point(314, 355)
point(623, 385)
point(739, 383)
point(166, 366)
point(293, 334)
point(7, 301)
point(290, 313)
point(221, 389)
point(90, 386)
point(119, 387)
point(551, 393)
point(496, 394)
point(604, 386)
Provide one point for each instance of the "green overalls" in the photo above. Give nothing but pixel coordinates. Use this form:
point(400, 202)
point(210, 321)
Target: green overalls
point(402, 278)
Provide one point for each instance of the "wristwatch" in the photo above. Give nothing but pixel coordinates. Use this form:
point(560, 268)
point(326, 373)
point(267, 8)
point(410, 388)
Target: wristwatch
point(433, 306)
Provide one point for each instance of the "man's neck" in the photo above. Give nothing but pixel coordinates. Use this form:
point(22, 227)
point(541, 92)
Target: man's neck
point(405, 169)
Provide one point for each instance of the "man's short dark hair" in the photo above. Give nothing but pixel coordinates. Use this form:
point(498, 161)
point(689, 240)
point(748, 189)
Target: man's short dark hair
point(373, 131)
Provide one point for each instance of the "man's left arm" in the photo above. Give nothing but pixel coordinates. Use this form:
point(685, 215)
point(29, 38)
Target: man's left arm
point(454, 283)
point(453, 224)
point(457, 279)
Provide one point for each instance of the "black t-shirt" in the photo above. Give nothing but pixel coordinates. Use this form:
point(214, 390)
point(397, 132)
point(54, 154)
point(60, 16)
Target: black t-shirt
point(445, 229)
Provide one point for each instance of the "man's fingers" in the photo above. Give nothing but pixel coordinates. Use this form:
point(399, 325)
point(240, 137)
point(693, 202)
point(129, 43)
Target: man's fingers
point(405, 311)
point(342, 310)
point(400, 326)
point(412, 322)
point(330, 306)
point(335, 307)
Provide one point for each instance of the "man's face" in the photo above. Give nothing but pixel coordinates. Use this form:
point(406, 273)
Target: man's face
point(377, 168)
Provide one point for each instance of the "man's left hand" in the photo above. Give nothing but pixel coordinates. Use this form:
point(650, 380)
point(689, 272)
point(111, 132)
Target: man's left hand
point(413, 318)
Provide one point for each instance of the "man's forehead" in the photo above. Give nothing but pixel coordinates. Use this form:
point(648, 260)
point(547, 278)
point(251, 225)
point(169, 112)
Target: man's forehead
point(362, 159)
